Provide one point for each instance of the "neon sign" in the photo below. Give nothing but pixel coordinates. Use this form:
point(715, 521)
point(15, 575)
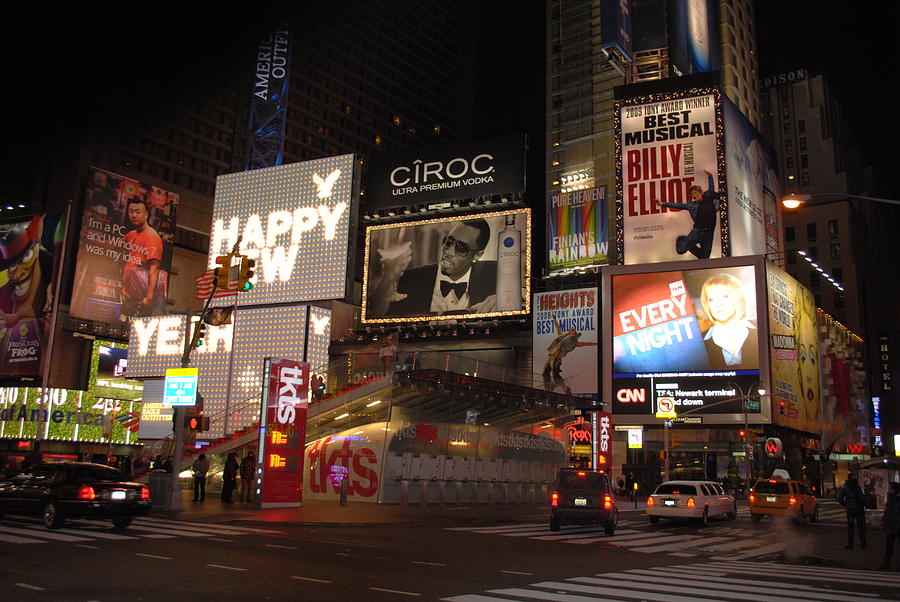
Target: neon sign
point(580, 432)
point(276, 461)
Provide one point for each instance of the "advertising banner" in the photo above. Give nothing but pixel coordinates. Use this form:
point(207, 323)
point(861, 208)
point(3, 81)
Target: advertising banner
point(157, 342)
point(282, 433)
point(794, 353)
point(446, 173)
point(156, 419)
point(845, 418)
point(577, 229)
point(67, 415)
point(475, 266)
point(294, 221)
point(694, 41)
point(753, 187)
point(565, 340)
point(686, 337)
point(29, 258)
point(670, 181)
point(124, 250)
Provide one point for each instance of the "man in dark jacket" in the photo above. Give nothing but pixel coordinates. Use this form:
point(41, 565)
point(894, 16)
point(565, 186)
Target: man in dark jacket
point(229, 477)
point(853, 499)
point(891, 521)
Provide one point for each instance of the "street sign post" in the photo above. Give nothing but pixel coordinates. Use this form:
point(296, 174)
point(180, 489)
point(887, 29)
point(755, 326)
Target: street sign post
point(180, 387)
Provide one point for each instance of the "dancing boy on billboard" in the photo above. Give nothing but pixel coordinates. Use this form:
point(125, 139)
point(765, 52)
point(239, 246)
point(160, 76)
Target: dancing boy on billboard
point(703, 208)
point(559, 348)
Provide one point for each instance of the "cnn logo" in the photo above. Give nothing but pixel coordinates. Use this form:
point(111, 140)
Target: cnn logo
point(631, 395)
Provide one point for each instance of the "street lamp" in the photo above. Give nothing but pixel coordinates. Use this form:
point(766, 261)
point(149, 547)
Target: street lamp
point(792, 201)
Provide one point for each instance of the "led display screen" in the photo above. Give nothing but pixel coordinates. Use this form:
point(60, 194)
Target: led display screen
point(157, 343)
point(108, 373)
point(295, 222)
point(670, 177)
point(472, 267)
point(687, 336)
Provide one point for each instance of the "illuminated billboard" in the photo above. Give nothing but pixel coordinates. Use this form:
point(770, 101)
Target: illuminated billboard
point(566, 325)
point(156, 344)
point(670, 177)
point(29, 258)
point(577, 229)
point(109, 366)
point(124, 249)
point(477, 266)
point(444, 173)
point(684, 338)
point(67, 415)
point(794, 353)
point(753, 187)
point(295, 222)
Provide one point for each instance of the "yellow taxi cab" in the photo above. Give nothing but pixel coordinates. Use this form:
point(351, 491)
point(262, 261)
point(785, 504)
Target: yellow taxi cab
point(783, 497)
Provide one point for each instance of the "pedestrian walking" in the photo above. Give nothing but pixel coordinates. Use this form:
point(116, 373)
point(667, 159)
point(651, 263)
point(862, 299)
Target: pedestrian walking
point(229, 478)
point(891, 521)
point(248, 468)
point(853, 500)
point(169, 464)
point(200, 467)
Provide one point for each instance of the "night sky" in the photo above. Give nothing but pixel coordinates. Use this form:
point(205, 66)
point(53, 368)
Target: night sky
point(69, 70)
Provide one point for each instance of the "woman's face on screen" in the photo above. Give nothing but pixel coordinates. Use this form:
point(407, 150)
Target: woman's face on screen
point(722, 302)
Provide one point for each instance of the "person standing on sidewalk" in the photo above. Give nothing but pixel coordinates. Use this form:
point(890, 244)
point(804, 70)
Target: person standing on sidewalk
point(200, 467)
point(891, 521)
point(853, 500)
point(248, 467)
point(229, 478)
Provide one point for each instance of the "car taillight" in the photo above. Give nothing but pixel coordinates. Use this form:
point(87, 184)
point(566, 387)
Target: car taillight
point(752, 498)
point(691, 503)
point(145, 493)
point(86, 493)
point(554, 499)
point(649, 501)
point(792, 501)
point(607, 502)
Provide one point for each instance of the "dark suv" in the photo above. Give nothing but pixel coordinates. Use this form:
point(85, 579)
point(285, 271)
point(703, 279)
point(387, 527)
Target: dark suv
point(583, 496)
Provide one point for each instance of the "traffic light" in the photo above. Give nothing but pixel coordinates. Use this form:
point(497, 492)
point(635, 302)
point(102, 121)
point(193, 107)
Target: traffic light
point(246, 273)
point(196, 422)
point(743, 435)
point(199, 334)
point(223, 272)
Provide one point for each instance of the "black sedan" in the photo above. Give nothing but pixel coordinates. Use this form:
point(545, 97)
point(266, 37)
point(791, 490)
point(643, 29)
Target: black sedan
point(56, 492)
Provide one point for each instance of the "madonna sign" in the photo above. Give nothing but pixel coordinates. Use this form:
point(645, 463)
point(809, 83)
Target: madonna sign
point(446, 173)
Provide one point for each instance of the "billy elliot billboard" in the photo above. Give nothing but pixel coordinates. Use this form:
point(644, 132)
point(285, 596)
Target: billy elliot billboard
point(282, 432)
point(446, 173)
point(670, 176)
point(124, 250)
point(687, 337)
point(157, 342)
point(29, 260)
point(566, 324)
point(476, 266)
point(295, 221)
point(577, 229)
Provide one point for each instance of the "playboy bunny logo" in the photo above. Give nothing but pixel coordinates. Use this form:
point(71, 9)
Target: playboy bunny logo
point(327, 184)
point(319, 324)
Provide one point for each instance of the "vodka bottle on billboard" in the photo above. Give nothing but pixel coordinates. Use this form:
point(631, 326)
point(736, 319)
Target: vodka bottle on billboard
point(509, 267)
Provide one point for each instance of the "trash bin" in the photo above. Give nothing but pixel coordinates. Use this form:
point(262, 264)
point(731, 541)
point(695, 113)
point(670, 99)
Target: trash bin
point(160, 489)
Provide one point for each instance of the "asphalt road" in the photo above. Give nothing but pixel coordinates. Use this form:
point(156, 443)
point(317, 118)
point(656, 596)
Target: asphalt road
point(163, 560)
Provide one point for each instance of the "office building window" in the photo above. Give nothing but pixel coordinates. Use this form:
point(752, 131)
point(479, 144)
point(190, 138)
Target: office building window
point(789, 234)
point(791, 257)
point(835, 250)
point(813, 252)
point(804, 177)
point(838, 274)
point(833, 228)
point(810, 231)
point(839, 300)
point(801, 126)
point(814, 279)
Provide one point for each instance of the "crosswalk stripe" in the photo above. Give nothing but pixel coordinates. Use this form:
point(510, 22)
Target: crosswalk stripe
point(738, 585)
point(500, 528)
point(544, 532)
point(92, 534)
point(735, 583)
point(655, 541)
point(15, 539)
point(689, 541)
point(474, 598)
point(736, 545)
point(528, 593)
point(167, 532)
point(175, 525)
point(582, 535)
point(621, 588)
point(771, 569)
point(769, 549)
point(675, 540)
point(45, 534)
point(624, 582)
point(182, 523)
point(700, 541)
